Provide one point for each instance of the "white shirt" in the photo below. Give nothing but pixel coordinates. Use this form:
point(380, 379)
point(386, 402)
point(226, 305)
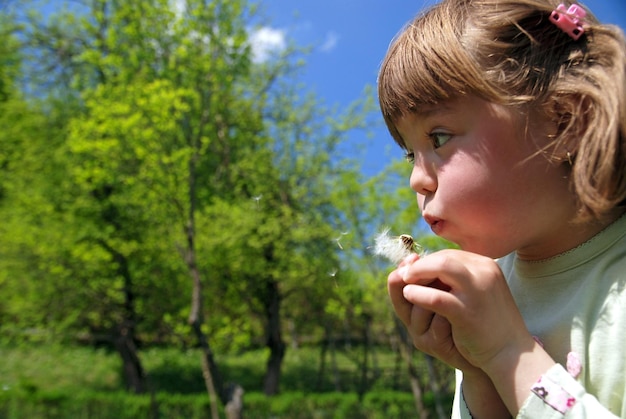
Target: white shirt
point(575, 304)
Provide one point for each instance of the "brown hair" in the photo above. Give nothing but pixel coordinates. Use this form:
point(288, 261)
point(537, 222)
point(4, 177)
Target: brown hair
point(509, 52)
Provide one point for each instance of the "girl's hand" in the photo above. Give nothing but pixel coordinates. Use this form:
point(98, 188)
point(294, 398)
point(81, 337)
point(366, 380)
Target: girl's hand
point(458, 307)
point(431, 332)
point(470, 292)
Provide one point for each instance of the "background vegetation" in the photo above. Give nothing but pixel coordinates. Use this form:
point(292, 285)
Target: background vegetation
point(179, 219)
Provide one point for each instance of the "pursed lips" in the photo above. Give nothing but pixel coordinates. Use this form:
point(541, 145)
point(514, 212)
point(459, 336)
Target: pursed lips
point(434, 222)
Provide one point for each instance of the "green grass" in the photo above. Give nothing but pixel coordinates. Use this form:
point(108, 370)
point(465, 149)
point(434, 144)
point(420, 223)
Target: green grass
point(53, 367)
point(72, 381)
point(70, 369)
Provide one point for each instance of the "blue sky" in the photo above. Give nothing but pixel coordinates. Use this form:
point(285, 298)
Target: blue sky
point(351, 38)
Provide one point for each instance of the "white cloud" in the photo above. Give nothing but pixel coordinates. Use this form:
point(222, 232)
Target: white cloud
point(265, 42)
point(330, 42)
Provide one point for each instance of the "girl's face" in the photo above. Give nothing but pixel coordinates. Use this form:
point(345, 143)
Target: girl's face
point(481, 183)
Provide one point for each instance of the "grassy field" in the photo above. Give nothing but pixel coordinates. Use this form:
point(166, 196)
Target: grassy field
point(71, 370)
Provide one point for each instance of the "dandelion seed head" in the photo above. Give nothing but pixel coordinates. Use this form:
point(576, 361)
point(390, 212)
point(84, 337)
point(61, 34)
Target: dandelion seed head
point(394, 248)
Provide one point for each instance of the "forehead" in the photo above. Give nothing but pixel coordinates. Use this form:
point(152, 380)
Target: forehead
point(440, 109)
point(452, 108)
point(460, 115)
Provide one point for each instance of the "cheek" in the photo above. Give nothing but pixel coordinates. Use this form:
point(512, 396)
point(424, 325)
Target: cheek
point(484, 192)
point(466, 179)
point(474, 190)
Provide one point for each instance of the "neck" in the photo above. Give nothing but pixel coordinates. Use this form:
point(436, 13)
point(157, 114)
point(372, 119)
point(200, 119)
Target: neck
point(571, 236)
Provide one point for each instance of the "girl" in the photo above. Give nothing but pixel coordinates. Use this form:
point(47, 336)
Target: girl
point(513, 114)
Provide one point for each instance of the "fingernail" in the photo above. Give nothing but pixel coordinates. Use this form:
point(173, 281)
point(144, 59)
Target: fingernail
point(402, 271)
point(411, 258)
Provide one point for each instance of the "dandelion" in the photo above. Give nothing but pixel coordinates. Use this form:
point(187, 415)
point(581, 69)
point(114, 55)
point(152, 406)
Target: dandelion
point(395, 248)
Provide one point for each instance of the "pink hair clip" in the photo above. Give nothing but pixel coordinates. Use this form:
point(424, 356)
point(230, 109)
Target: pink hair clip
point(569, 20)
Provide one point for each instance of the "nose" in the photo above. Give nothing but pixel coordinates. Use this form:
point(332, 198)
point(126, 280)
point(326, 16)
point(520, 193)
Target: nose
point(423, 177)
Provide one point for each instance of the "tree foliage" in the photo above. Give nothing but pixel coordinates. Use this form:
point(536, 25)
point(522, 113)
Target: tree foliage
point(154, 174)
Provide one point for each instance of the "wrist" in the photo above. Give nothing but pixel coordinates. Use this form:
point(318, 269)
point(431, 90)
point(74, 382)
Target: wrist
point(481, 397)
point(515, 369)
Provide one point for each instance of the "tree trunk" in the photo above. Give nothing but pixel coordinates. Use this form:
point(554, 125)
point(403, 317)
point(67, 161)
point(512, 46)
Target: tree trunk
point(233, 400)
point(125, 345)
point(210, 372)
point(406, 350)
point(234, 408)
point(124, 336)
point(435, 386)
point(333, 361)
point(275, 343)
point(322, 365)
point(363, 387)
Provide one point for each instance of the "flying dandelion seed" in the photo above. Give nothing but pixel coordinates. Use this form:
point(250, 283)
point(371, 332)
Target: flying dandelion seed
point(333, 275)
point(257, 199)
point(338, 239)
point(395, 248)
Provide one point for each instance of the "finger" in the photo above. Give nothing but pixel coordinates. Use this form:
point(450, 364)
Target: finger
point(420, 320)
point(395, 284)
point(404, 265)
point(433, 299)
point(441, 329)
point(409, 259)
point(442, 266)
point(452, 268)
point(402, 307)
point(437, 337)
point(438, 342)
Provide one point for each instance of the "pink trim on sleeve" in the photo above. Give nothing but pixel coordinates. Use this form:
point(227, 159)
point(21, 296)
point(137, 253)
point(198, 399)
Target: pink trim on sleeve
point(553, 395)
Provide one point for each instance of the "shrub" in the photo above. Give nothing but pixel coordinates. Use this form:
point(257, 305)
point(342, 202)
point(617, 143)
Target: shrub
point(117, 405)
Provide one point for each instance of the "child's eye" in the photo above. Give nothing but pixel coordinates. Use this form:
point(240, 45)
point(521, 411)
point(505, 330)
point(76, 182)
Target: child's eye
point(409, 156)
point(438, 139)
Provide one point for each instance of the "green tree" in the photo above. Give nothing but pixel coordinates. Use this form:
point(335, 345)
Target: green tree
point(159, 180)
point(164, 124)
point(179, 167)
point(114, 59)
